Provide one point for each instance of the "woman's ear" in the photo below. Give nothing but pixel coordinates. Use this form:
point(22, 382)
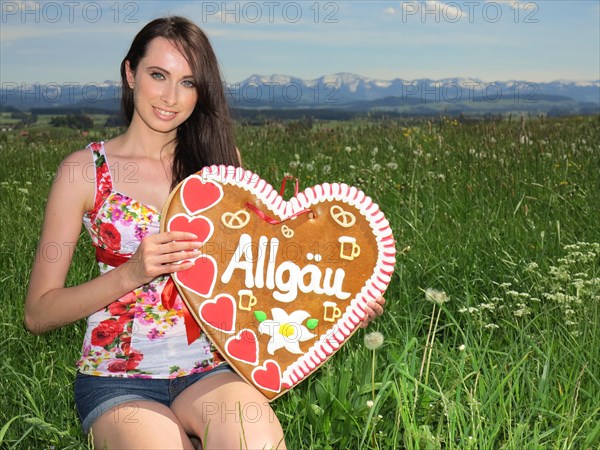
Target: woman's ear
point(129, 74)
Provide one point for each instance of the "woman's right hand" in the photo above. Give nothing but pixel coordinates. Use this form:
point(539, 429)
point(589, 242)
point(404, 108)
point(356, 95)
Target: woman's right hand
point(161, 253)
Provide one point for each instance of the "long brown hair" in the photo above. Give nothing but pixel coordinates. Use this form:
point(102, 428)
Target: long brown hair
point(206, 137)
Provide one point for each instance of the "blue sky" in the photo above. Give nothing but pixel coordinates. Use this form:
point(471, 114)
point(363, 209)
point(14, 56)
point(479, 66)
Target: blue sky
point(84, 42)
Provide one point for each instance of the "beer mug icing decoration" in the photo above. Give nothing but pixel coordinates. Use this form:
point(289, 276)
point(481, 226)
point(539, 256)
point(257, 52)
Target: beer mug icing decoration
point(280, 285)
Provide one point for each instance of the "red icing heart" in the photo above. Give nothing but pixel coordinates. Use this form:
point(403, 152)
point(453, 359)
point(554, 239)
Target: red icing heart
point(198, 195)
point(201, 277)
point(219, 313)
point(243, 346)
point(268, 376)
point(200, 226)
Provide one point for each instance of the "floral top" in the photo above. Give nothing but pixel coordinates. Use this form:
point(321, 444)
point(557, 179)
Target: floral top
point(135, 336)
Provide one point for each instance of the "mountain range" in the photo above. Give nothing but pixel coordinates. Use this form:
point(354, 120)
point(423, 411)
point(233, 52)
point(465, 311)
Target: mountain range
point(342, 91)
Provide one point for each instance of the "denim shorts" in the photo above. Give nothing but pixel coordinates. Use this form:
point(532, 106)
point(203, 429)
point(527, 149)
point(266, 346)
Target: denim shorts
point(94, 395)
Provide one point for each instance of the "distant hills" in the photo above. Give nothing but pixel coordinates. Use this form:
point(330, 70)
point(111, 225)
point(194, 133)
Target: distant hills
point(340, 93)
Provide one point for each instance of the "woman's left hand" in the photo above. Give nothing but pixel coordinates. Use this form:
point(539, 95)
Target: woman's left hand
point(374, 309)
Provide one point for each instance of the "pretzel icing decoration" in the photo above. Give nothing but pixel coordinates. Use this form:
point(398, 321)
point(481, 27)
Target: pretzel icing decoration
point(236, 220)
point(281, 285)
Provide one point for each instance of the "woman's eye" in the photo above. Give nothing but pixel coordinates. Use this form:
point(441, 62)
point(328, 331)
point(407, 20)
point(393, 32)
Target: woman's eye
point(157, 75)
point(188, 83)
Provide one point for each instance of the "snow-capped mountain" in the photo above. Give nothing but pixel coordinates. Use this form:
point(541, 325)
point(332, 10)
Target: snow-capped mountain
point(338, 91)
point(344, 87)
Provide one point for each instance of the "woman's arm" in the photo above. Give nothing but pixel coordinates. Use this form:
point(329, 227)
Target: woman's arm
point(49, 304)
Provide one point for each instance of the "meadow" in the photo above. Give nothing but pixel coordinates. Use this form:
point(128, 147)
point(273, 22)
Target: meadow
point(491, 336)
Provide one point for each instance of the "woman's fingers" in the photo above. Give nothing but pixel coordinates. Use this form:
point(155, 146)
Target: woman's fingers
point(169, 236)
point(373, 310)
point(166, 252)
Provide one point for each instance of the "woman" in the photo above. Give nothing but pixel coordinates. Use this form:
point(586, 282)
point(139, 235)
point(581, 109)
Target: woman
point(139, 383)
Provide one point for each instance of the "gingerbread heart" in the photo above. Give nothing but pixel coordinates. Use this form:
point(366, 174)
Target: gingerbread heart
point(281, 285)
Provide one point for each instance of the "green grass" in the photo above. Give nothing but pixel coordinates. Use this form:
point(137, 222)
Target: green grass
point(502, 216)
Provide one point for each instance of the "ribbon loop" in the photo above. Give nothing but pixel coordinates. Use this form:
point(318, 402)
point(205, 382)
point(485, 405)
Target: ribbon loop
point(271, 220)
point(296, 186)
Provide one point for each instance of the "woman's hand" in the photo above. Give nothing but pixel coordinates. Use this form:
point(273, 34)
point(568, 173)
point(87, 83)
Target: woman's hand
point(162, 253)
point(374, 309)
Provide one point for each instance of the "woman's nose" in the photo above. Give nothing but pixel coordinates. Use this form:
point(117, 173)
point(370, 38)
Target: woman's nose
point(169, 94)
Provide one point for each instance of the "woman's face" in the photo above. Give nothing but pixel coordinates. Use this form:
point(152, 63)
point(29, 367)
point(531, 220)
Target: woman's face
point(164, 91)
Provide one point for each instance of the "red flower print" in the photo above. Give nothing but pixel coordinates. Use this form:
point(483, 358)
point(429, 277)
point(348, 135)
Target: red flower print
point(106, 332)
point(119, 308)
point(118, 365)
point(126, 318)
point(110, 236)
point(134, 360)
point(126, 345)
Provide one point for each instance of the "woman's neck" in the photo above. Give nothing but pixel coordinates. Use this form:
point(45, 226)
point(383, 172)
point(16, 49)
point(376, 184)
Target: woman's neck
point(141, 140)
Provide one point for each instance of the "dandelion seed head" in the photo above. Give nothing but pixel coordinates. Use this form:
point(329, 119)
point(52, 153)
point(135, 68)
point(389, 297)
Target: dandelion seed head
point(439, 297)
point(374, 340)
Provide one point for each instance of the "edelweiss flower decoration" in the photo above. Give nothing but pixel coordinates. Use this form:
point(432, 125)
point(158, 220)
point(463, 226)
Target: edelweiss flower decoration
point(286, 331)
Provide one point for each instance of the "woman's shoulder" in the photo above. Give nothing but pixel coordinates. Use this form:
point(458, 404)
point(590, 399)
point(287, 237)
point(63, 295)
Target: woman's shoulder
point(84, 155)
point(77, 172)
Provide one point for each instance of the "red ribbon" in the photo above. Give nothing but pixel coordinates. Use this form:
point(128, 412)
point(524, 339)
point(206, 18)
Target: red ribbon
point(271, 220)
point(168, 296)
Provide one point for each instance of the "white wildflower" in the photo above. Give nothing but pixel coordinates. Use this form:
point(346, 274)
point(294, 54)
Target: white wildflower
point(374, 340)
point(436, 296)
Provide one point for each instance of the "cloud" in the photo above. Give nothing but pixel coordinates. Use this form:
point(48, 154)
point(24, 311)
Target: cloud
point(16, 35)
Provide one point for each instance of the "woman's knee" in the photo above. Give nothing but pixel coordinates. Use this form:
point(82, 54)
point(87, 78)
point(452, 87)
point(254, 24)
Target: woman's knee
point(244, 424)
point(139, 424)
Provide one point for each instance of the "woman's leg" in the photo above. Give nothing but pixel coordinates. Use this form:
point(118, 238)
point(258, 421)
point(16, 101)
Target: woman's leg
point(139, 424)
point(225, 412)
